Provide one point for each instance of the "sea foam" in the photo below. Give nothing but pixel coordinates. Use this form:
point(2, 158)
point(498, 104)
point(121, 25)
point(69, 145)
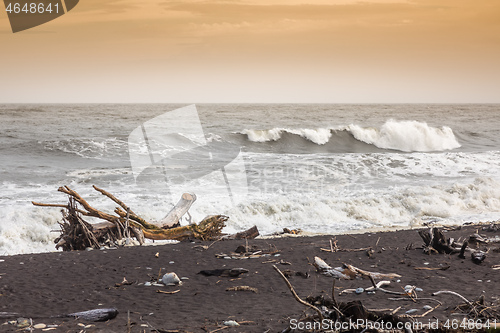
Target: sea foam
point(406, 136)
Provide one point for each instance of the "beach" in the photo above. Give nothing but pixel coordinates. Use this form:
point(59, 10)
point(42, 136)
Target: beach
point(41, 286)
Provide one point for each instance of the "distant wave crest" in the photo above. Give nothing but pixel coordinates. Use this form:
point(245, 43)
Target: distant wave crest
point(406, 136)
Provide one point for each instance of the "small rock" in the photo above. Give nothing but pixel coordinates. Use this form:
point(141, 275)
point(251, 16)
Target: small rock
point(171, 262)
point(359, 290)
point(411, 311)
point(40, 326)
point(170, 279)
point(147, 284)
point(478, 257)
point(81, 325)
point(23, 322)
point(408, 287)
point(231, 323)
point(427, 307)
point(277, 255)
point(157, 255)
point(419, 289)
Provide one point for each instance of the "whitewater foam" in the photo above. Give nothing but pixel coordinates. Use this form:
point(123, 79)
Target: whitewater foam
point(406, 136)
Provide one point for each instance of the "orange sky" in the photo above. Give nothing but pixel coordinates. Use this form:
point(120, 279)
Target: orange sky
point(192, 51)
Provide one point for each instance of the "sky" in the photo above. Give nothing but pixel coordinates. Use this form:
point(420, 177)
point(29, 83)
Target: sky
point(256, 51)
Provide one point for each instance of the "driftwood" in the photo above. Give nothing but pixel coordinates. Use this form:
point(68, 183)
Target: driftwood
point(436, 242)
point(235, 272)
point(77, 234)
point(95, 315)
point(347, 312)
point(89, 315)
point(348, 272)
point(251, 233)
point(172, 219)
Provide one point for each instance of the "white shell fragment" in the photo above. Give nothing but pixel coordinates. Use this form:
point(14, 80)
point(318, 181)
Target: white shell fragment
point(171, 279)
point(359, 290)
point(231, 323)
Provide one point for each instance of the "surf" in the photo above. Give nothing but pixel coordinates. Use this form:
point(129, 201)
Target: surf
point(393, 135)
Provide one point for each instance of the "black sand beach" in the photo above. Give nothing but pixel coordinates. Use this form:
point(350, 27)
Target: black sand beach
point(40, 286)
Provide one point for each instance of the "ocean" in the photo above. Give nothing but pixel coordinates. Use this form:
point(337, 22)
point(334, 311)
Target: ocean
point(320, 168)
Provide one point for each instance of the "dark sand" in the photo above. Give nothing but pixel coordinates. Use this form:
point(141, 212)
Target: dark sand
point(39, 286)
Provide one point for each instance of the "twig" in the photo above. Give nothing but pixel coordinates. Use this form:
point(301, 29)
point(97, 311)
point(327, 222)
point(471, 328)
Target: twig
point(426, 312)
point(393, 312)
point(420, 299)
point(335, 304)
point(219, 329)
point(452, 293)
point(168, 292)
point(296, 296)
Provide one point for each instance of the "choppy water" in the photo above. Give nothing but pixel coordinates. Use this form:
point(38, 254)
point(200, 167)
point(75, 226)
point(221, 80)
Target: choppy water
point(321, 168)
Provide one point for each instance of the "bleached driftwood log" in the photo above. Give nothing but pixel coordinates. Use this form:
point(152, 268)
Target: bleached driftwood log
point(172, 219)
point(127, 223)
point(348, 272)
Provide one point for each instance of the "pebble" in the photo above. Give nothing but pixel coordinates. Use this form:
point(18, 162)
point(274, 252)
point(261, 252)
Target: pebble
point(408, 287)
point(40, 326)
point(427, 307)
point(419, 289)
point(170, 279)
point(147, 284)
point(411, 311)
point(371, 292)
point(23, 322)
point(171, 262)
point(231, 323)
point(359, 290)
point(277, 255)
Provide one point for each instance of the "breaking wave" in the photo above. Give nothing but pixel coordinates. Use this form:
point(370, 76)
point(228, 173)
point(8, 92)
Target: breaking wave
point(405, 136)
